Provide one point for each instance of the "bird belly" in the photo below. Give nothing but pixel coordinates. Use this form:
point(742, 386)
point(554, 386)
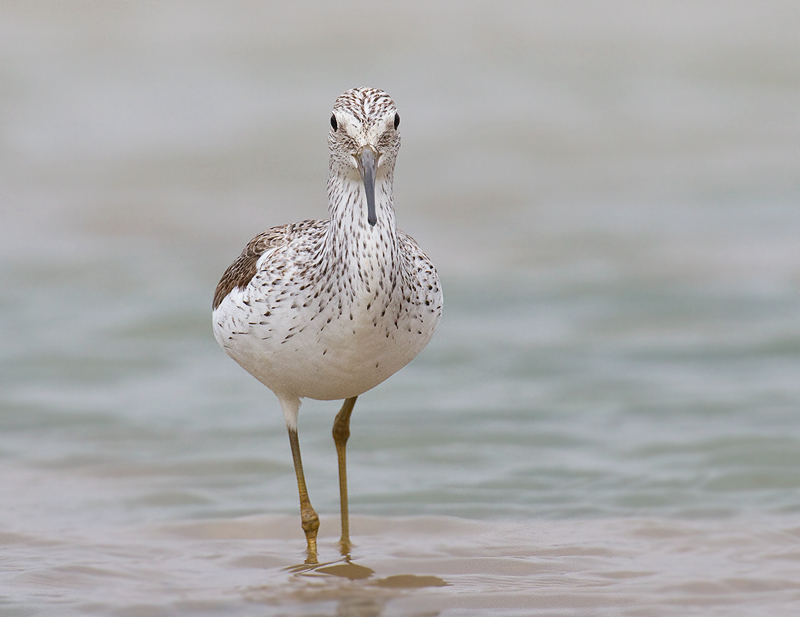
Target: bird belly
point(336, 353)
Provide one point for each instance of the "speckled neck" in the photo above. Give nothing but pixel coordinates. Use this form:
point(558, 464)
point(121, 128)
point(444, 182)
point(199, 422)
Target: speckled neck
point(368, 252)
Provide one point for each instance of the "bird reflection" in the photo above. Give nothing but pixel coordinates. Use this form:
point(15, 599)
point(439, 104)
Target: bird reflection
point(345, 568)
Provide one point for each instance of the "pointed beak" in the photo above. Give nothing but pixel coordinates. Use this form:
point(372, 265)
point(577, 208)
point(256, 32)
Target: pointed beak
point(367, 167)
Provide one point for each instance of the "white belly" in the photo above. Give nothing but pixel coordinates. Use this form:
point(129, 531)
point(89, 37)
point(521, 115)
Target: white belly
point(322, 351)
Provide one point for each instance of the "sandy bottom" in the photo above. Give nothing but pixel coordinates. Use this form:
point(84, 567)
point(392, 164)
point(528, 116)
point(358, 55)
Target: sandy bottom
point(413, 566)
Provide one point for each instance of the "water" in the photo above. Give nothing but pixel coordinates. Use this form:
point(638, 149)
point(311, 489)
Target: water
point(607, 422)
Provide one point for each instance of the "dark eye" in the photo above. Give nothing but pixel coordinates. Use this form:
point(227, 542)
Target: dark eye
point(396, 121)
point(335, 126)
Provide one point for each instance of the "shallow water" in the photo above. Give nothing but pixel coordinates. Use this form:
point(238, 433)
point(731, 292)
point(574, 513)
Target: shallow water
point(420, 566)
point(607, 422)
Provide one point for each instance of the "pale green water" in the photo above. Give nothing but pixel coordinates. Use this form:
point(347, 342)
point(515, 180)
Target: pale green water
point(607, 422)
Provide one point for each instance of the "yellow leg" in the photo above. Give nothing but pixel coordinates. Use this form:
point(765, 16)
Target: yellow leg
point(341, 432)
point(308, 516)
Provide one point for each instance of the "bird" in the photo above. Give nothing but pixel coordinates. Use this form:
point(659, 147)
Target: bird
point(329, 309)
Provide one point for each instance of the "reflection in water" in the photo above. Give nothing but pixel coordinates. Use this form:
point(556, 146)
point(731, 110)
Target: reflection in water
point(354, 598)
point(348, 570)
point(410, 581)
point(343, 568)
point(354, 572)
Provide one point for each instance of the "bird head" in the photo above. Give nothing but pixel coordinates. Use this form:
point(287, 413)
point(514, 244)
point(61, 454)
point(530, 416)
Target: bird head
point(363, 140)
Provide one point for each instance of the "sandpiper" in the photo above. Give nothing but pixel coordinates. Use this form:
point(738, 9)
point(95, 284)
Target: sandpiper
point(328, 309)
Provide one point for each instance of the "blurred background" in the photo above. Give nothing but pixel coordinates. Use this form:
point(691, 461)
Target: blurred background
point(610, 191)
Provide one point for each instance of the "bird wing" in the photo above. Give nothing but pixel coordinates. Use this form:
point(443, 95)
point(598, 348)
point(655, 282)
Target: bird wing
point(243, 268)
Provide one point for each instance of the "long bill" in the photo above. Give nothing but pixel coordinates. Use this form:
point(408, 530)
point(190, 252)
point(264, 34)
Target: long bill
point(367, 167)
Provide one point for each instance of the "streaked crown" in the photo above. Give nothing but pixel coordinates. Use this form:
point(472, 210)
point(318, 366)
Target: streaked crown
point(363, 117)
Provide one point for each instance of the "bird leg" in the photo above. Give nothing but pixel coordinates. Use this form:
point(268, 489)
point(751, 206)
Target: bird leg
point(341, 432)
point(308, 517)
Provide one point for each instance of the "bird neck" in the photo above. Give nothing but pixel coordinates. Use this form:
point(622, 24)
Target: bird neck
point(350, 239)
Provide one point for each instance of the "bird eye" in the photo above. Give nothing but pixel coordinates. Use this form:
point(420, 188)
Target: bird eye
point(335, 126)
point(396, 121)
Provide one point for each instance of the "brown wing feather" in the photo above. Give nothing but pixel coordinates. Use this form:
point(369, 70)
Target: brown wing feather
point(243, 268)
